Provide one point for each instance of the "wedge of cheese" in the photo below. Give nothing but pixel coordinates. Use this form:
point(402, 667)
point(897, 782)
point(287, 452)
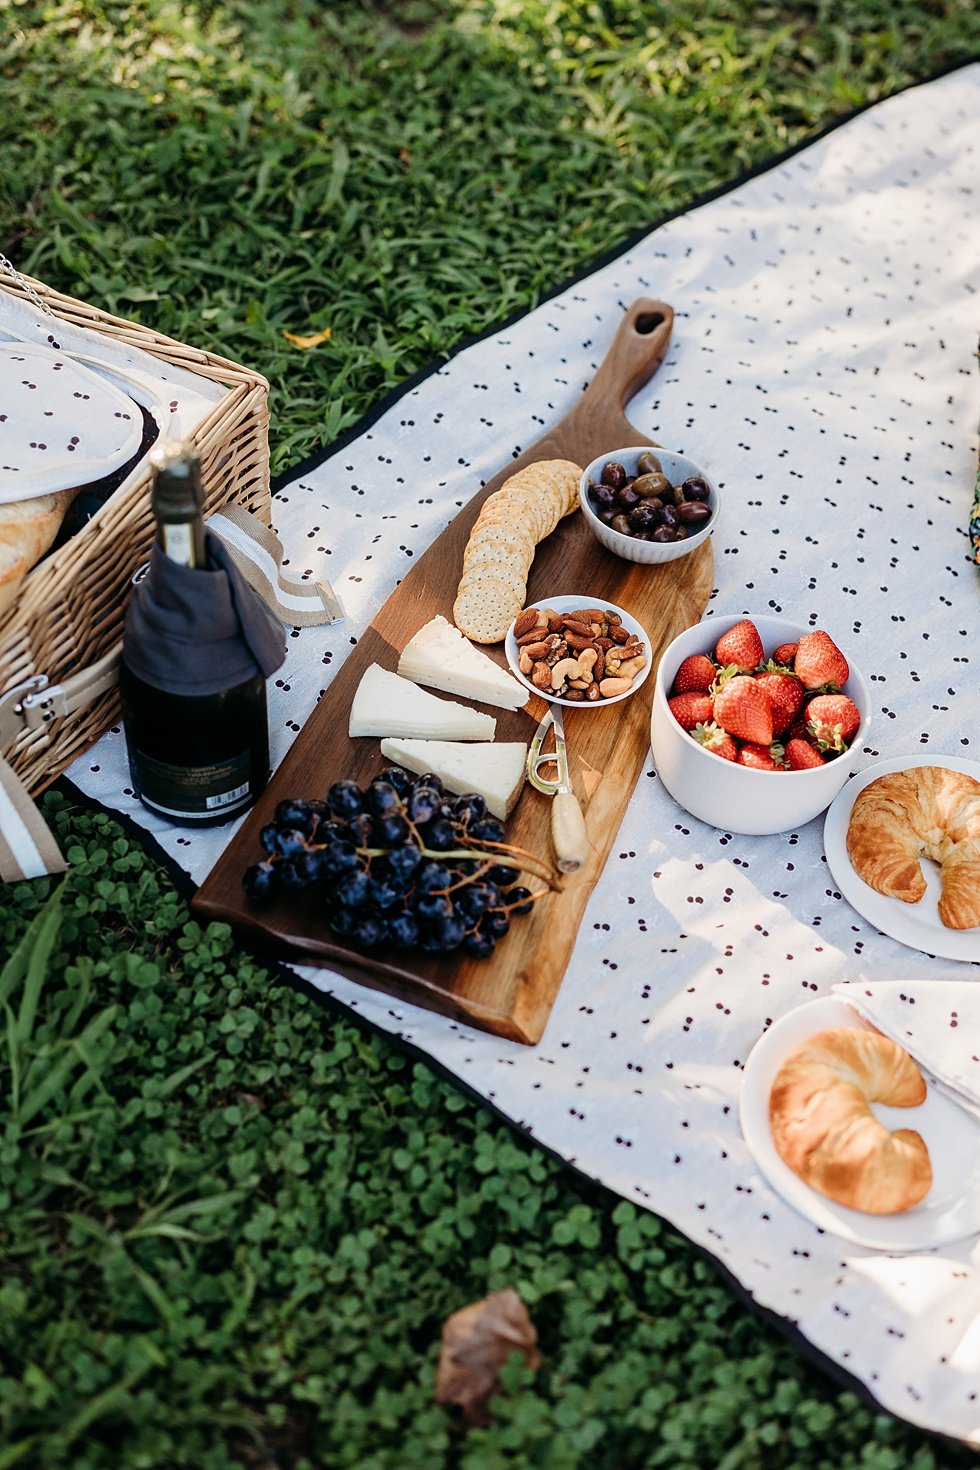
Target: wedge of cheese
point(384, 704)
point(495, 772)
point(442, 658)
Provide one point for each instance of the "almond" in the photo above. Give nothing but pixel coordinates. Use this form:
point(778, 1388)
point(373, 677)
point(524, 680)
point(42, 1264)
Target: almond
point(525, 621)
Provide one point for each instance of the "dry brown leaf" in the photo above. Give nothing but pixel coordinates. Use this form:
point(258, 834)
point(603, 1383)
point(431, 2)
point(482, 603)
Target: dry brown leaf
point(306, 342)
point(476, 1342)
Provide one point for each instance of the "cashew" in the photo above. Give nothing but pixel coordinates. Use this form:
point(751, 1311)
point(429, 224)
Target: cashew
point(630, 667)
point(579, 683)
point(525, 663)
point(565, 668)
point(609, 687)
point(586, 662)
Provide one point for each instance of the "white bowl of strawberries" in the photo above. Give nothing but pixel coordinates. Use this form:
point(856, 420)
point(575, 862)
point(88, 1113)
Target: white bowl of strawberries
point(756, 722)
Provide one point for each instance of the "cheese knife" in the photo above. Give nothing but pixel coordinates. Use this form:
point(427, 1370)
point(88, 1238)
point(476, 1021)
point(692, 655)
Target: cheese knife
point(568, 835)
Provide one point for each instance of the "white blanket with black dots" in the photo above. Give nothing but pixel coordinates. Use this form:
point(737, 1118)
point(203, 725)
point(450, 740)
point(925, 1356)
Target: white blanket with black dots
point(822, 368)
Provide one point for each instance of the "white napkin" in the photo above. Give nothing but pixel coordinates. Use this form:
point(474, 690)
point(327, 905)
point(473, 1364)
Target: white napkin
point(937, 1022)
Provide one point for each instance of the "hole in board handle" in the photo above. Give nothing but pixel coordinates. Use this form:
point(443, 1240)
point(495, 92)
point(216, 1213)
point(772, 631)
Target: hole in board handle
point(648, 322)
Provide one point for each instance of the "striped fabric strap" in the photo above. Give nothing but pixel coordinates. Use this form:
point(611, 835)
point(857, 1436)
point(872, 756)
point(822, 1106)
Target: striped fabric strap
point(27, 848)
point(257, 553)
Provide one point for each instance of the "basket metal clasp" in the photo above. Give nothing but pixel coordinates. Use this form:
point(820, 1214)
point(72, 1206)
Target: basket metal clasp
point(14, 717)
point(44, 703)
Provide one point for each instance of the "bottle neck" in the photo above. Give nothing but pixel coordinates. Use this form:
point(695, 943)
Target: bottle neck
point(177, 500)
point(183, 542)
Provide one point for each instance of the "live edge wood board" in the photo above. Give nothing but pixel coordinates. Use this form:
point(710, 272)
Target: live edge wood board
point(511, 993)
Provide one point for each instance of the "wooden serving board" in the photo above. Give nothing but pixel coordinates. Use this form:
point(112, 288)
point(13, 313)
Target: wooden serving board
point(512, 992)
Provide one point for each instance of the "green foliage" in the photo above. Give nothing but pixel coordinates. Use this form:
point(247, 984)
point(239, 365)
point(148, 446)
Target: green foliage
point(231, 1223)
point(404, 175)
point(231, 1229)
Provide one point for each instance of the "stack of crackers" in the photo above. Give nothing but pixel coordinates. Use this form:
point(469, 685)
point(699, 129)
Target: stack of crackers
point(498, 555)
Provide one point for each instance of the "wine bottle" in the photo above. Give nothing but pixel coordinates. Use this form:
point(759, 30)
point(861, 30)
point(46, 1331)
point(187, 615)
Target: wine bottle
point(197, 733)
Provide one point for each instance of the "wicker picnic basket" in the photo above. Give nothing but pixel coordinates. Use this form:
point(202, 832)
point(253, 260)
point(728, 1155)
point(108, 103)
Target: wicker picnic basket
point(69, 612)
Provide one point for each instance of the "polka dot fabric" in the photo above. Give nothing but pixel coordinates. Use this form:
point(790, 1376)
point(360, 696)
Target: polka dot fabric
point(822, 370)
point(60, 425)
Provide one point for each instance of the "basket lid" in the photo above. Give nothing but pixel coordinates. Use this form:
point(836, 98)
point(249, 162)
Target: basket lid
point(61, 424)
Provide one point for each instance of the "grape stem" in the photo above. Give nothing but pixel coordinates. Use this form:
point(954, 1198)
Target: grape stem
point(505, 855)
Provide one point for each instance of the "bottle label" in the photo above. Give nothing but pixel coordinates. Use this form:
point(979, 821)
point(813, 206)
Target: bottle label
point(195, 791)
point(178, 542)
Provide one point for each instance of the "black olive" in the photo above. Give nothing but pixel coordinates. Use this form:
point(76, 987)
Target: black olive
point(613, 474)
point(696, 488)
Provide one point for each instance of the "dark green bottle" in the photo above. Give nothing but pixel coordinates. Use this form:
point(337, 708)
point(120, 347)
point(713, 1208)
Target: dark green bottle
point(196, 759)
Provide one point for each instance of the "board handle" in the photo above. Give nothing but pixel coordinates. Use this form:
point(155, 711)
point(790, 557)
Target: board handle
point(633, 356)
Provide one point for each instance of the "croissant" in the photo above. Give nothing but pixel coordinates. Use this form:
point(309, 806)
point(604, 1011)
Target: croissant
point(928, 811)
point(824, 1129)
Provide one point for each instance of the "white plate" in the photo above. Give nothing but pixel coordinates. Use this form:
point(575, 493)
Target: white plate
point(60, 424)
point(915, 924)
point(951, 1209)
point(567, 604)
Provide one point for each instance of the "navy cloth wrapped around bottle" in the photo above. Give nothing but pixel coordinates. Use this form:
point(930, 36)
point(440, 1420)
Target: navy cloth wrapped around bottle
point(188, 631)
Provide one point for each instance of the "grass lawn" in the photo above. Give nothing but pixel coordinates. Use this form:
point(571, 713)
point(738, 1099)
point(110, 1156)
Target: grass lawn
point(232, 1223)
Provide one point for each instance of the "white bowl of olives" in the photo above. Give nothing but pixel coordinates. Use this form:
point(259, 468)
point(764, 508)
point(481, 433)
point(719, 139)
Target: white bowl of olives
point(648, 504)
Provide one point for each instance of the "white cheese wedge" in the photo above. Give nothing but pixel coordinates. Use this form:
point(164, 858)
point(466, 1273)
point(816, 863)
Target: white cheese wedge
point(384, 704)
point(442, 658)
point(495, 772)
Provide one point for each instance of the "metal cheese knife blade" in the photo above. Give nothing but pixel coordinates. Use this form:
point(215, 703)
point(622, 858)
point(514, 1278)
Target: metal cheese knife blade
point(568, 833)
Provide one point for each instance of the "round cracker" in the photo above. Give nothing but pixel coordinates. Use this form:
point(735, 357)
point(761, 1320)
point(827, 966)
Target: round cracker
point(485, 572)
point(485, 611)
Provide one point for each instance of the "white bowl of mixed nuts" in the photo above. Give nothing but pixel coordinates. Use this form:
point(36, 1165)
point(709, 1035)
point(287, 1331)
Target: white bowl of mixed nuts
point(649, 504)
point(577, 652)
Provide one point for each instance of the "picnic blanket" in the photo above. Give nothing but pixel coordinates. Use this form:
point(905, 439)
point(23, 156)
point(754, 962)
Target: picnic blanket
point(822, 368)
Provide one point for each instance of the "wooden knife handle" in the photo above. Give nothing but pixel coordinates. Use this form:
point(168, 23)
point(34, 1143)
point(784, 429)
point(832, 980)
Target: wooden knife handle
point(568, 832)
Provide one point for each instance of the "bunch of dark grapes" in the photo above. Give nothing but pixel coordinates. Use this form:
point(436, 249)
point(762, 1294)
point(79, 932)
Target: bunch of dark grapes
point(399, 862)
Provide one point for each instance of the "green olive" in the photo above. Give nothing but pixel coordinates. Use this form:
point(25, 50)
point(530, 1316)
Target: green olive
point(620, 524)
point(653, 483)
point(648, 464)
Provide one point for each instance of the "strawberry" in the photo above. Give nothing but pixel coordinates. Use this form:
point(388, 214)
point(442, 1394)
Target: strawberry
point(761, 757)
point(691, 709)
point(740, 645)
point(784, 655)
point(802, 756)
point(696, 673)
point(819, 661)
point(832, 721)
point(744, 710)
point(785, 695)
point(718, 742)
